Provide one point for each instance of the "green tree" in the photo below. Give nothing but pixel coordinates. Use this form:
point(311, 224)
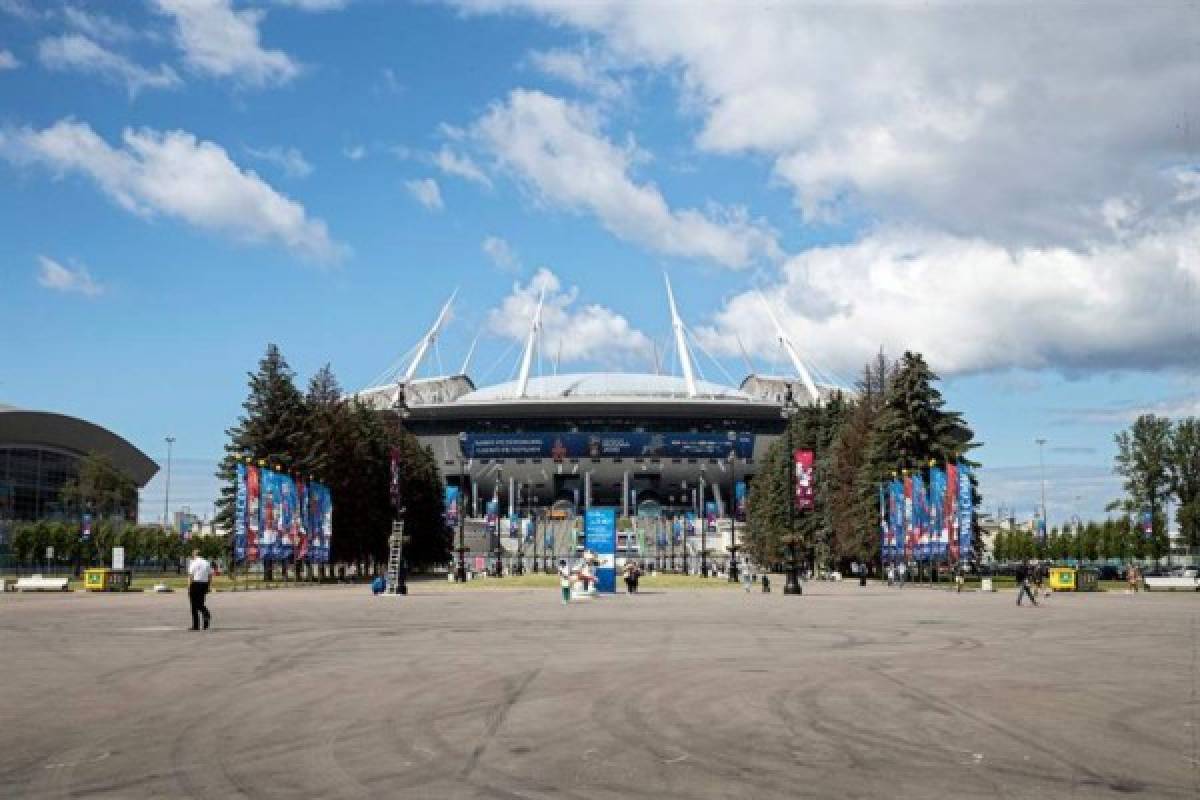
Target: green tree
point(1184, 468)
point(1143, 459)
point(854, 503)
point(272, 428)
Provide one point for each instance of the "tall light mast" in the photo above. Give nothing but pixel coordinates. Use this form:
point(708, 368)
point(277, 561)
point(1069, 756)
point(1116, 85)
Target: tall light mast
point(685, 359)
point(790, 349)
point(530, 343)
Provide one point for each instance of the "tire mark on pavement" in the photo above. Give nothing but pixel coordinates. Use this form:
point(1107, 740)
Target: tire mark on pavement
point(497, 719)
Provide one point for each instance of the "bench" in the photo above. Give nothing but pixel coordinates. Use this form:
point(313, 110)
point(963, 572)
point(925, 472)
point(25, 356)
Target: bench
point(1168, 583)
point(36, 583)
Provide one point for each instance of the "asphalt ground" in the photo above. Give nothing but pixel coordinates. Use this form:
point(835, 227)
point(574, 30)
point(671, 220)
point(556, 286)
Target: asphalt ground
point(844, 692)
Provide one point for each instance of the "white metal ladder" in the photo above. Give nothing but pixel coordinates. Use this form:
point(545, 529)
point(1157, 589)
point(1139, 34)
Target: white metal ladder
point(395, 557)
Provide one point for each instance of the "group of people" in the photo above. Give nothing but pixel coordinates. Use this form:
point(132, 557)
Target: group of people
point(896, 574)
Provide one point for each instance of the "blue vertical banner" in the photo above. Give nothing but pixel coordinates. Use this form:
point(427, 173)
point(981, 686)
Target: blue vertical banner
point(896, 517)
point(239, 515)
point(920, 499)
point(86, 528)
point(939, 537)
point(451, 510)
point(710, 515)
point(739, 500)
point(884, 544)
point(1146, 523)
point(289, 518)
point(272, 508)
point(966, 512)
point(600, 537)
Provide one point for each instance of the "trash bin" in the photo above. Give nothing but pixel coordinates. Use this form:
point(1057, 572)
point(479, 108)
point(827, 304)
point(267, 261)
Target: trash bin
point(1063, 579)
point(103, 579)
point(1086, 580)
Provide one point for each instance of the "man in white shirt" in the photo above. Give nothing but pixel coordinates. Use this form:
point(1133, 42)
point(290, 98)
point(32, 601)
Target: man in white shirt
point(199, 579)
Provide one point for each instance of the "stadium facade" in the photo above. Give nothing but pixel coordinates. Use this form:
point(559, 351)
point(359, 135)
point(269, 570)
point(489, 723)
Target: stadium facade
point(657, 447)
point(40, 451)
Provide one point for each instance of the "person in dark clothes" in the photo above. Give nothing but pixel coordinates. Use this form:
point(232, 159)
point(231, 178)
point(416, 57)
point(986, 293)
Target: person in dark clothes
point(199, 579)
point(1023, 589)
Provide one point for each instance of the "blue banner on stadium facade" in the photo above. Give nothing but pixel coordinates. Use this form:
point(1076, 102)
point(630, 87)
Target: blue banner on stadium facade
point(606, 445)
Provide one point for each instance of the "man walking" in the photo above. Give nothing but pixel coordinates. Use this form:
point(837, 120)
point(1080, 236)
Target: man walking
point(564, 580)
point(1023, 584)
point(199, 579)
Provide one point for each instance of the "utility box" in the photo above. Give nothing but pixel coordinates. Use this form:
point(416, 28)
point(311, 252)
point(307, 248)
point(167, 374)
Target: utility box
point(102, 579)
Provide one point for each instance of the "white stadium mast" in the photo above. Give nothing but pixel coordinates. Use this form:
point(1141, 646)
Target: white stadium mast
point(530, 343)
point(423, 348)
point(790, 349)
point(685, 360)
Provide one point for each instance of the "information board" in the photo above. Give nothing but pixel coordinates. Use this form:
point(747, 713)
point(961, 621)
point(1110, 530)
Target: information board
point(600, 537)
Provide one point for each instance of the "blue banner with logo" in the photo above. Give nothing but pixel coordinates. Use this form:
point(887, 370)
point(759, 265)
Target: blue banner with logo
point(710, 515)
point(938, 535)
point(896, 517)
point(920, 498)
point(451, 506)
point(239, 515)
point(607, 445)
point(966, 512)
point(1146, 523)
point(739, 500)
point(270, 546)
point(600, 537)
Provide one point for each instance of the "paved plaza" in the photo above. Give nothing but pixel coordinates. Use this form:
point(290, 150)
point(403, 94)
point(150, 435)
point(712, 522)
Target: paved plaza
point(844, 692)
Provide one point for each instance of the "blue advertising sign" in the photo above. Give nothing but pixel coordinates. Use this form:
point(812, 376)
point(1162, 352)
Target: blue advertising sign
point(739, 505)
point(239, 515)
point(87, 527)
point(606, 445)
point(451, 504)
point(600, 537)
point(966, 510)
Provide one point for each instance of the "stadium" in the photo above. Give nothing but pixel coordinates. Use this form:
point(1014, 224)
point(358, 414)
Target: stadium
point(665, 450)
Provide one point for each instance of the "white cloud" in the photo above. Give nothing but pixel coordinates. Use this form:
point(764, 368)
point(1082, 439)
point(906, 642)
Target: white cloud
point(221, 42)
point(582, 69)
point(463, 166)
point(54, 275)
point(501, 254)
point(1174, 407)
point(426, 192)
point(968, 119)
point(574, 332)
point(556, 149)
point(74, 52)
point(98, 26)
point(8, 60)
point(354, 153)
point(314, 5)
point(971, 305)
point(175, 174)
point(21, 9)
point(288, 159)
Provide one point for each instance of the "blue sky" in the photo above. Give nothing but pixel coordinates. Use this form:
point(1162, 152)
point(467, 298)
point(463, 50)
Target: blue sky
point(183, 181)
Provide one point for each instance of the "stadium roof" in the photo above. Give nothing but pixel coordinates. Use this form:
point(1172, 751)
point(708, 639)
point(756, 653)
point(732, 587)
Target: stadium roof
point(23, 428)
point(604, 386)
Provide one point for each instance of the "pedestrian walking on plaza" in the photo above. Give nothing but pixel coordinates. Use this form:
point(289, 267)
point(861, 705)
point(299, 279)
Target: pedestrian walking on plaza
point(959, 579)
point(1131, 575)
point(900, 570)
point(199, 580)
point(1023, 588)
point(564, 580)
point(630, 577)
point(891, 575)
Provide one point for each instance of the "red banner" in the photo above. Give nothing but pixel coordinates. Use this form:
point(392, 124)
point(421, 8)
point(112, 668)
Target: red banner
point(805, 486)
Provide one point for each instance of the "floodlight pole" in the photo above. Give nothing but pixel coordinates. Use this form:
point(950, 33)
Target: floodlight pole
point(167, 497)
point(733, 545)
point(461, 575)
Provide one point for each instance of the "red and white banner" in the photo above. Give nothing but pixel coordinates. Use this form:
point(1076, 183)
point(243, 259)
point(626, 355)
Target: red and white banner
point(805, 485)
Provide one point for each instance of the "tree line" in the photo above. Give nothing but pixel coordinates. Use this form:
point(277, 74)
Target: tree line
point(895, 420)
point(1159, 461)
point(145, 545)
point(341, 442)
point(1114, 538)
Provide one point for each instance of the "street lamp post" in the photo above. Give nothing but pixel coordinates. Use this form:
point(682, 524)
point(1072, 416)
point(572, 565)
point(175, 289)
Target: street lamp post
point(167, 497)
point(498, 567)
point(733, 545)
point(519, 569)
point(702, 516)
point(1042, 466)
point(792, 585)
point(461, 575)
